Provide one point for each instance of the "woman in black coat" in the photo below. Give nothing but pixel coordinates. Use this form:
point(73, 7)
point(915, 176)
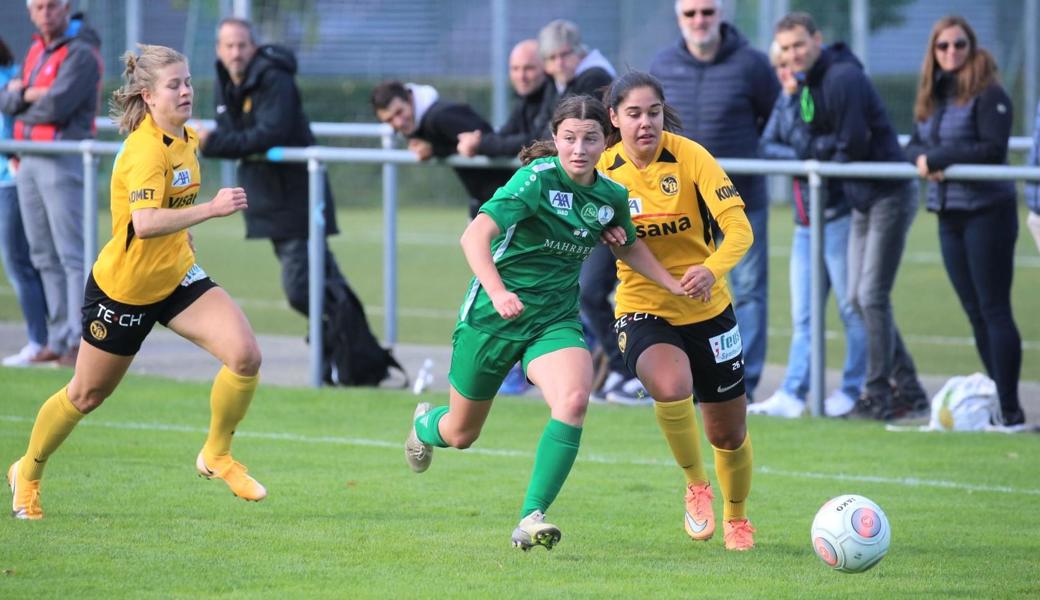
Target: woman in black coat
point(963, 115)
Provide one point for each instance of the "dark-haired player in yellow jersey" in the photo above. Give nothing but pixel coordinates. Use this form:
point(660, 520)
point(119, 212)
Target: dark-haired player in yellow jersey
point(147, 274)
point(678, 349)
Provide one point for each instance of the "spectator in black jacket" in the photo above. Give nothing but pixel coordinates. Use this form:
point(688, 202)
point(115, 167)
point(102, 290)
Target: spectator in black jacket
point(258, 108)
point(963, 115)
point(525, 124)
point(724, 91)
point(432, 127)
point(848, 123)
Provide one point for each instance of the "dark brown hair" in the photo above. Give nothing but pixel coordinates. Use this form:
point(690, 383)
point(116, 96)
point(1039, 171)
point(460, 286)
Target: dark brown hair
point(385, 92)
point(572, 107)
point(977, 73)
point(796, 19)
point(619, 90)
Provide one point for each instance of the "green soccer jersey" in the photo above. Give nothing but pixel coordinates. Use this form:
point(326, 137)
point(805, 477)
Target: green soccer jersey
point(549, 225)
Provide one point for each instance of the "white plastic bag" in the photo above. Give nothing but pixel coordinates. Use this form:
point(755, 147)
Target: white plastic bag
point(965, 404)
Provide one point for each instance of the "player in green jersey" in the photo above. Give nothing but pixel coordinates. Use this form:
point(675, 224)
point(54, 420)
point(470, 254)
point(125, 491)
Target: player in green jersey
point(525, 248)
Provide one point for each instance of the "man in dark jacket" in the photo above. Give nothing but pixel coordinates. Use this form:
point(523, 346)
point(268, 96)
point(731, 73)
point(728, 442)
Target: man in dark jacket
point(724, 90)
point(432, 127)
point(527, 122)
point(849, 123)
point(56, 98)
point(259, 107)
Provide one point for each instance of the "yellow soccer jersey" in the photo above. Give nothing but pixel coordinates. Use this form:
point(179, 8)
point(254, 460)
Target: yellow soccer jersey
point(672, 202)
point(152, 170)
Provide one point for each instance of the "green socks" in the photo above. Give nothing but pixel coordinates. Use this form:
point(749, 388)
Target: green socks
point(426, 427)
point(552, 463)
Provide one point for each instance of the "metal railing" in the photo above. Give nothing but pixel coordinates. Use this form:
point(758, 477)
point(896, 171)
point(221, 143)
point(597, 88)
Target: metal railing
point(389, 158)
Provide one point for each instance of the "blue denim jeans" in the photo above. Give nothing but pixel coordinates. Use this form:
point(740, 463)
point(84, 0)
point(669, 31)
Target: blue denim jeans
point(836, 269)
point(978, 250)
point(876, 242)
point(24, 278)
point(749, 283)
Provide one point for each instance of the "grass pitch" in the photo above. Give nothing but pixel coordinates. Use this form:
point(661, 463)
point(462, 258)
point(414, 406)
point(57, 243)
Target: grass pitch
point(345, 518)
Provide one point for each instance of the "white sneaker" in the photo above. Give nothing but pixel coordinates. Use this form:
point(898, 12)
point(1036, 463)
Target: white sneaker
point(780, 404)
point(838, 404)
point(612, 380)
point(24, 356)
point(630, 393)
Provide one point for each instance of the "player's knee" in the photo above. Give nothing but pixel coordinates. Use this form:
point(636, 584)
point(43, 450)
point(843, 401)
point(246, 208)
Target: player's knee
point(572, 407)
point(86, 398)
point(670, 391)
point(727, 439)
point(246, 359)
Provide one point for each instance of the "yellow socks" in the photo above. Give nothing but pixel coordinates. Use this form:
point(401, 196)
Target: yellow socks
point(54, 423)
point(228, 400)
point(678, 422)
point(733, 468)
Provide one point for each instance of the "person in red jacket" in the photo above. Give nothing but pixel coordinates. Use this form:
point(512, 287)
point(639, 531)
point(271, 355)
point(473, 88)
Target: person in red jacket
point(56, 98)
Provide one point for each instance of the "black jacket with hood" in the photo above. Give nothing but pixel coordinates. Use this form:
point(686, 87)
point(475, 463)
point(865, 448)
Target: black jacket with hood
point(263, 112)
point(849, 123)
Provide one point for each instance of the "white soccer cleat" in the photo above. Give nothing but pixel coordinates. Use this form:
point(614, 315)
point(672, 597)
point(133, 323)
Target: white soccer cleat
point(418, 454)
point(534, 531)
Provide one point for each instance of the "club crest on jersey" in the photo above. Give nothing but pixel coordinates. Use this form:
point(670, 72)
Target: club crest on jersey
point(562, 202)
point(181, 178)
point(635, 206)
point(669, 185)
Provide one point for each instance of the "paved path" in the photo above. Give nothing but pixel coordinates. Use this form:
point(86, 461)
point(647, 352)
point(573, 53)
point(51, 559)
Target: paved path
point(285, 363)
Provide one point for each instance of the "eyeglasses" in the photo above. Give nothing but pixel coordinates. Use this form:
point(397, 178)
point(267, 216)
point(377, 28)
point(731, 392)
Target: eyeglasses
point(705, 12)
point(960, 44)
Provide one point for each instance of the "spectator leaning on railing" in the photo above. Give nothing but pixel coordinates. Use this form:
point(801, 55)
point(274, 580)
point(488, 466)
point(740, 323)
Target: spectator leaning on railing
point(432, 127)
point(528, 121)
point(963, 115)
point(56, 98)
point(787, 137)
point(848, 122)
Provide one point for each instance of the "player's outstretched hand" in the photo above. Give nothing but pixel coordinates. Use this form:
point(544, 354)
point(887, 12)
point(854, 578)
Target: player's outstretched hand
point(697, 281)
point(507, 304)
point(228, 201)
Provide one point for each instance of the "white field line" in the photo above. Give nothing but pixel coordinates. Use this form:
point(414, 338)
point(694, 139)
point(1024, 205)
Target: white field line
point(911, 482)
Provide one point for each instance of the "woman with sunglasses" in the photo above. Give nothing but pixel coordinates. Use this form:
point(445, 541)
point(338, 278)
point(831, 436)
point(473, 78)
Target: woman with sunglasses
point(963, 115)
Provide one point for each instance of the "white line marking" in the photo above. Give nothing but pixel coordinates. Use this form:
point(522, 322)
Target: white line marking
point(586, 458)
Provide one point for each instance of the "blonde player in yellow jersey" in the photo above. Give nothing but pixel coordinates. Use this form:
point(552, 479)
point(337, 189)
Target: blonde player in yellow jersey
point(147, 274)
point(681, 349)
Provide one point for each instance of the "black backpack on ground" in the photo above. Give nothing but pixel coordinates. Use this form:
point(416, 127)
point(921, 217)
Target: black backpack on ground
point(352, 355)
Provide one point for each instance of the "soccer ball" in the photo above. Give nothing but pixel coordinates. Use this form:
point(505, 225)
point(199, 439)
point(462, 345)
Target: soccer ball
point(851, 533)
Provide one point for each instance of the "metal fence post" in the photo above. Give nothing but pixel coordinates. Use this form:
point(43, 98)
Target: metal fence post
point(818, 342)
point(90, 208)
point(389, 246)
point(316, 266)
